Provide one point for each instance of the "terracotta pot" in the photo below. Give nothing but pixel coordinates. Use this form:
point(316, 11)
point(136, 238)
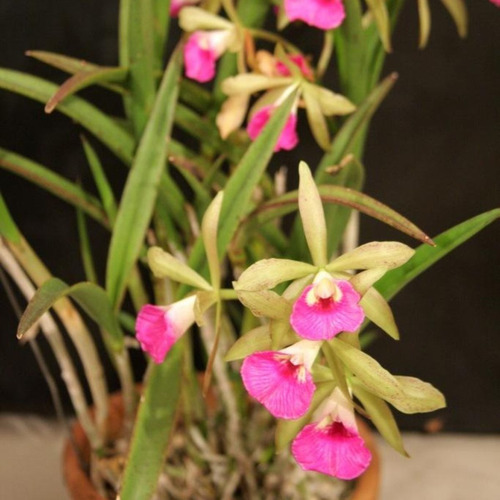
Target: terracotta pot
point(81, 488)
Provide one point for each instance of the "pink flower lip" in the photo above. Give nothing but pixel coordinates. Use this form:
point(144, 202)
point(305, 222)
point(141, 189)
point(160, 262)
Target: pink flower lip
point(323, 14)
point(300, 61)
point(288, 138)
point(159, 327)
point(280, 382)
point(201, 52)
point(331, 449)
point(326, 308)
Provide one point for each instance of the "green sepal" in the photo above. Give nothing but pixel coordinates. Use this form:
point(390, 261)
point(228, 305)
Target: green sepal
point(379, 312)
point(267, 273)
point(419, 396)
point(165, 265)
point(266, 303)
point(209, 229)
point(388, 254)
point(312, 216)
point(254, 340)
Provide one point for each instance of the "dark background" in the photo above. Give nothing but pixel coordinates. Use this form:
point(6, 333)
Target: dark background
point(432, 154)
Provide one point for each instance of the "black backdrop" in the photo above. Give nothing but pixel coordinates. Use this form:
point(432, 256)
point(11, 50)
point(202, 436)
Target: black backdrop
point(432, 154)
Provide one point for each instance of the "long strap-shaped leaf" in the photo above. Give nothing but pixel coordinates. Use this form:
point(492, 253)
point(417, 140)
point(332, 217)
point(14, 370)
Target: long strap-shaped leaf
point(141, 189)
point(102, 126)
point(90, 297)
point(426, 256)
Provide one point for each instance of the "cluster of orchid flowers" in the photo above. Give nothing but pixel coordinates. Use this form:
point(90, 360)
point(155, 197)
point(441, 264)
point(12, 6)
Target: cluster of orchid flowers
point(277, 75)
point(316, 320)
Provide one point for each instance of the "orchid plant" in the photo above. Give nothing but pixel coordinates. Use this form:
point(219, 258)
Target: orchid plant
point(199, 246)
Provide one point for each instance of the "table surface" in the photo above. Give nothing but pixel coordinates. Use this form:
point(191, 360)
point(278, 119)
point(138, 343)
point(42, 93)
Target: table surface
point(441, 467)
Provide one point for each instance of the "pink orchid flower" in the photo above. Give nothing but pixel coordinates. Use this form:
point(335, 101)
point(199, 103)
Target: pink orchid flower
point(325, 308)
point(177, 5)
point(282, 380)
point(288, 138)
point(159, 327)
point(332, 444)
point(201, 52)
point(323, 14)
point(300, 61)
point(496, 2)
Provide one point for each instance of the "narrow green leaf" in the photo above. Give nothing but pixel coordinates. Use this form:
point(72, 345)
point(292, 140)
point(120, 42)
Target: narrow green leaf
point(141, 188)
point(426, 256)
point(388, 254)
point(161, 17)
point(267, 273)
point(137, 52)
point(370, 373)
point(382, 418)
point(53, 183)
point(209, 227)
point(312, 216)
point(379, 312)
point(82, 80)
point(73, 65)
point(165, 265)
point(92, 299)
point(254, 340)
point(94, 120)
point(101, 182)
point(154, 427)
point(85, 247)
point(8, 228)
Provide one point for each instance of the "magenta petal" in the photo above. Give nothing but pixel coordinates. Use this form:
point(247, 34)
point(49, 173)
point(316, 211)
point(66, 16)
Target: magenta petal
point(323, 14)
point(155, 332)
point(199, 61)
point(283, 388)
point(333, 450)
point(326, 318)
point(288, 138)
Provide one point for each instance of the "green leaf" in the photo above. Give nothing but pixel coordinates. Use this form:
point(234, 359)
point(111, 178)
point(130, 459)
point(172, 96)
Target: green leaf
point(161, 17)
point(267, 273)
point(312, 216)
point(382, 418)
point(388, 254)
point(209, 227)
point(84, 79)
point(94, 120)
point(266, 303)
point(419, 396)
point(8, 228)
point(92, 299)
point(370, 373)
point(154, 427)
point(85, 248)
point(426, 256)
point(165, 265)
point(137, 52)
point(378, 311)
point(53, 183)
point(101, 182)
point(141, 188)
point(255, 340)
